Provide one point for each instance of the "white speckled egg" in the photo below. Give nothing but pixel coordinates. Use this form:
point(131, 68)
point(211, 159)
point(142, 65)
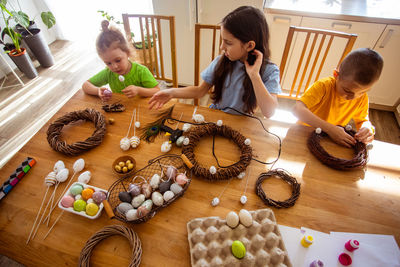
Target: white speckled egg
point(157, 198)
point(176, 188)
point(186, 127)
point(243, 199)
point(247, 142)
point(155, 181)
point(166, 146)
point(198, 118)
point(232, 219)
point(245, 218)
point(186, 141)
point(213, 170)
point(131, 215)
point(215, 201)
point(168, 195)
point(124, 144)
point(58, 166)
point(179, 141)
point(241, 175)
point(85, 177)
point(219, 122)
point(79, 165)
point(318, 130)
point(134, 141)
point(138, 200)
point(62, 175)
point(123, 207)
point(137, 124)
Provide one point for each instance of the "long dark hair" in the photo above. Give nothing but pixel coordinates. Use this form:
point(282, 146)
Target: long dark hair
point(245, 23)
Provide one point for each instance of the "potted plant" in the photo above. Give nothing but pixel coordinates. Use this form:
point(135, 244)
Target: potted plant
point(17, 54)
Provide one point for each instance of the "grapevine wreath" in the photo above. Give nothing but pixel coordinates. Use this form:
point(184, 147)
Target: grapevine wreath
point(54, 132)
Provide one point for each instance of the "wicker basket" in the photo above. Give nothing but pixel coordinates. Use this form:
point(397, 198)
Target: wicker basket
point(156, 165)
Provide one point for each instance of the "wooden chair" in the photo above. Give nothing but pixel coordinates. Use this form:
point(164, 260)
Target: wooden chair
point(153, 56)
point(301, 58)
point(213, 50)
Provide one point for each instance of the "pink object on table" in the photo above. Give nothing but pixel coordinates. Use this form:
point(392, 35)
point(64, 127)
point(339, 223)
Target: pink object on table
point(345, 259)
point(67, 201)
point(107, 92)
point(352, 245)
point(317, 263)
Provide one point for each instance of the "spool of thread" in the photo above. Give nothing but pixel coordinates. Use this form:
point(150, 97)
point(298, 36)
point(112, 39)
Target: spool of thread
point(345, 259)
point(352, 245)
point(307, 241)
point(317, 263)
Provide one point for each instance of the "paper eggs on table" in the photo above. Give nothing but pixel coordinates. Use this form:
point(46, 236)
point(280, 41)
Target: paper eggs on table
point(124, 144)
point(85, 177)
point(62, 175)
point(58, 166)
point(232, 219)
point(166, 146)
point(79, 165)
point(179, 141)
point(245, 218)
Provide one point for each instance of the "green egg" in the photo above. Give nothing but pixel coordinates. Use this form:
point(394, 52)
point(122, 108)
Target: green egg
point(238, 249)
point(76, 189)
point(79, 205)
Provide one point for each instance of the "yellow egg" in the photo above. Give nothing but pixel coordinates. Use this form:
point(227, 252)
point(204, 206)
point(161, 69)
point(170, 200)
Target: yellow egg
point(130, 166)
point(128, 162)
point(121, 163)
point(92, 209)
point(117, 168)
point(238, 249)
point(125, 169)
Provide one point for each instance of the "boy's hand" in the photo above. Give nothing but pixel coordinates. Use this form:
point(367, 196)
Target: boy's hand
point(339, 135)
point(104, 97)
point(160, 98)
point(254, 69)
point(131, 91)
point(364, 135)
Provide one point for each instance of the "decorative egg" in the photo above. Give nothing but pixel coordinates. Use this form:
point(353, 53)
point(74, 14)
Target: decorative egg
point(245, 217)
point(50, 179)
point(157, 198)
point(247, 142)
point(181, 179)
point(85, 177)
point(146, 190)
point(168, 195)
point(243, 199)
point(92, 209)
point(121, 78)
point(76, 189)
point(176, 188)
point(138, 200)
point(186, 127)
point(107, 93)
point(58, 166)
point(131, 215)
point(125, 196)
point(134, 141)
point(78, 196)
point(232, 219)
point(238, 249)
point(241, 175)
point(137, 124)
point(79, 165)
point(171, 172)
point(67, 201)
point(62, 175)
point(318, 130)
point(79, 205)
point(90, 200)
point(87, 193)
point(186, 141)
point(142, 211)
point(166, 146)
point(219, 122)
point(215, 201)
point(134, 190)
point(148, 204)
point(198, 118)
point(213, 170)
point(179, 141)
point(370, 146)
point(124, 207)
point(124, 144)
point(155, 181)
point(99, 197)
point(348, 127)
point(164, 186)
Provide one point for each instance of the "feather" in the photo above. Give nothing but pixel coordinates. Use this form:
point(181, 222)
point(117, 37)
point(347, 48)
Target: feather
point(151, 130)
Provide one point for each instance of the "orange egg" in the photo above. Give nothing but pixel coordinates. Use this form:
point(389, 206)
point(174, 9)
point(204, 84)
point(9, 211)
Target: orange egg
point(87, 193)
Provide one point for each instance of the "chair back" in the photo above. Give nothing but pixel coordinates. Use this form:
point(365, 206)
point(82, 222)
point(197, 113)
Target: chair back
point(153, 40)
point(308, 53)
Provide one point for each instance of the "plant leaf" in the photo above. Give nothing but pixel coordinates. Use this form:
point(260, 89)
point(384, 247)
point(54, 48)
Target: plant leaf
point(21, 18)
point(48, 19)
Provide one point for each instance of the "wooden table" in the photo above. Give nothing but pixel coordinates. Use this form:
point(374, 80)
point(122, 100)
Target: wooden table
point(355, 201)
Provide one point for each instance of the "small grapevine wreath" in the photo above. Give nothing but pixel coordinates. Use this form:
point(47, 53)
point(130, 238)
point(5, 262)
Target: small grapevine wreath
point(133, 238)
point(358, 161)
point(285, 176)
point(54, 132)
point(225, 173)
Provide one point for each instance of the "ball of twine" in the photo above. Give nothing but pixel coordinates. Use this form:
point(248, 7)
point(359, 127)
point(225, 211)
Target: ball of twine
point(212, 129)
point(54, 132)
point(358, 161)
point(134, 241)
point(285, 176)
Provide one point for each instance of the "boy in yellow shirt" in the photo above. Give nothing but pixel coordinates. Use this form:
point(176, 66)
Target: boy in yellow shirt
point(336, 100)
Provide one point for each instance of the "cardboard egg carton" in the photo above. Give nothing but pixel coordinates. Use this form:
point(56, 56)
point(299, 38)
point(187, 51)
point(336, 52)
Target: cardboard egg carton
point(210, 241)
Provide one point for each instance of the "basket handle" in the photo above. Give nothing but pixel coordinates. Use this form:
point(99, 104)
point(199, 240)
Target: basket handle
point(186, 161)
point(108, 209)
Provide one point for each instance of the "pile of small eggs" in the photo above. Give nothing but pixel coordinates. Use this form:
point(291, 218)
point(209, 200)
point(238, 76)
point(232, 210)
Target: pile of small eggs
point(124, 166)
point(84, 199)
point(139, 200)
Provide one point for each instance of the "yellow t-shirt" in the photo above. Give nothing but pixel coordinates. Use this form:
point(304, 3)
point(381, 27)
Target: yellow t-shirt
point(323, 100)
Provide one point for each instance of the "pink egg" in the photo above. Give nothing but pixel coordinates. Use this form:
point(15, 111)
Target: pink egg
point(107, 92)
point(67, 201)
point(181, 179)
point(171, 172)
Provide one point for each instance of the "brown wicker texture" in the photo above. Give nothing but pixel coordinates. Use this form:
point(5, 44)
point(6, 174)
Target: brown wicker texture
point(358, 161)
point(115, 107)
point(287, 178)
point(54, 132)
point(156, 165)
point(133, 238)
point(196, 134)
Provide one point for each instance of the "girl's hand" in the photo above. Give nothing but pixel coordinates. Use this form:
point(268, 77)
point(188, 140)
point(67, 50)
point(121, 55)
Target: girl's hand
point(131, 91)
point(160, 98)
point(339, 135)
point(104, 97)
point(253, 70)
point(364, 135)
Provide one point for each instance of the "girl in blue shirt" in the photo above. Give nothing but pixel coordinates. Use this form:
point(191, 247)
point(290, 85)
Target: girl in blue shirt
point(243, 77)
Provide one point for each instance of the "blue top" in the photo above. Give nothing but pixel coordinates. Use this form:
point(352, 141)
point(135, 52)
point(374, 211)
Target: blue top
point(233, 86)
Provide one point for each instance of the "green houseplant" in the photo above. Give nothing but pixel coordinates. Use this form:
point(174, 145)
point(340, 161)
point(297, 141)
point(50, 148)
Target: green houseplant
point(17, 53)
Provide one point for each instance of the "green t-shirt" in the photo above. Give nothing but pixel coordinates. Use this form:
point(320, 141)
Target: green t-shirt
point(139, 75)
